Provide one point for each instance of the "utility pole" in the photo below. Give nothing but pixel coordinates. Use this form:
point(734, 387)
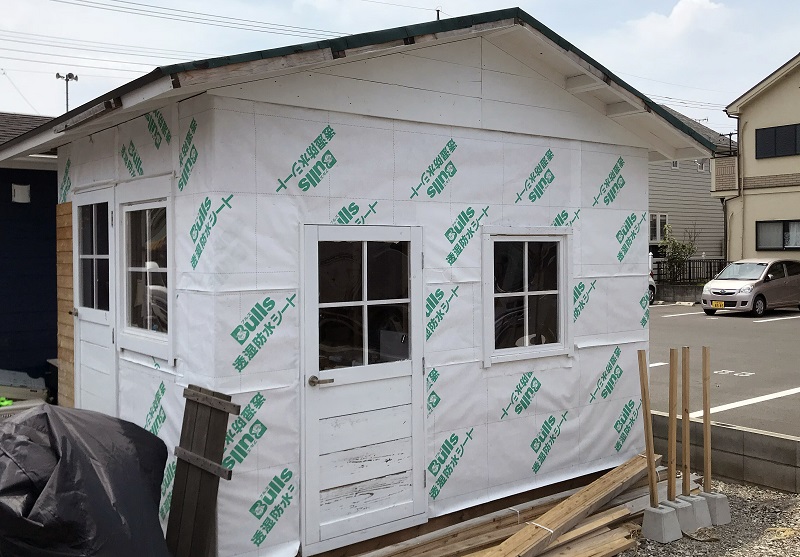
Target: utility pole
point(67, 78)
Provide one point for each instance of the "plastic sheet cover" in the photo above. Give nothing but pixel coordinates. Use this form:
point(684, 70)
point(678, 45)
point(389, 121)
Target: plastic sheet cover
point(74, 482)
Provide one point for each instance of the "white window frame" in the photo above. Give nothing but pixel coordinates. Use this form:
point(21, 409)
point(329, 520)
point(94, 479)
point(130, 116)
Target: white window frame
point(702, 165)
point(676, 165)
point(561, 235)
point(659, 235)
point(148, 194)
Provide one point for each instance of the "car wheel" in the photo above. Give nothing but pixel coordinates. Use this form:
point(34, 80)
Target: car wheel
point(759, 306)
point(709, 311)
point(652, 294)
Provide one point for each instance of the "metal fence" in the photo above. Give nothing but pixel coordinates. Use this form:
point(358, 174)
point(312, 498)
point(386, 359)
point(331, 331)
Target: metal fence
point(693, 271)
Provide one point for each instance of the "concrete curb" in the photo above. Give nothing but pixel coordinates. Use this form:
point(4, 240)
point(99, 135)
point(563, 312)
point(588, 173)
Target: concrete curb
point(739, 453)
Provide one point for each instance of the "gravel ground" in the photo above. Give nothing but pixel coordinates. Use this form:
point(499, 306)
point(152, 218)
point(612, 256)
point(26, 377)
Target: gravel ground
point(764, 523)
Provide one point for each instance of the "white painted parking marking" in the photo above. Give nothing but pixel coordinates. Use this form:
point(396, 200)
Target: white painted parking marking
point(746, 402)
point(776, 319)
point(656, 364)
point(679, 314)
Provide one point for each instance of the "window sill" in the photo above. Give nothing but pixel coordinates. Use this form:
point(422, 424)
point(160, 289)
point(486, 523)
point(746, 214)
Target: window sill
point(513, 355)
point(156, 345)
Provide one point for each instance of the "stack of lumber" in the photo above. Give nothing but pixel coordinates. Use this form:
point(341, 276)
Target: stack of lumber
point(594, 521)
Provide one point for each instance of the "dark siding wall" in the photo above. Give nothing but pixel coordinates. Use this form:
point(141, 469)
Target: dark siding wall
point(27, 272)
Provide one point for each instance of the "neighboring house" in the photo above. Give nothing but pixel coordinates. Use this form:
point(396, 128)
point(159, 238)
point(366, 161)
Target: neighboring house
point(761, 186)
point(416, 257)
point(679, 196)
point(28, 253)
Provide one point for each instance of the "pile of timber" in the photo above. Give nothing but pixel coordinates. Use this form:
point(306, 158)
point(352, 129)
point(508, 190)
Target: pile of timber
point(599, 520)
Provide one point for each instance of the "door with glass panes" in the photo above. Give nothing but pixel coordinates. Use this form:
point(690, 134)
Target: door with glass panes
point(362, 382)
point(95, 354)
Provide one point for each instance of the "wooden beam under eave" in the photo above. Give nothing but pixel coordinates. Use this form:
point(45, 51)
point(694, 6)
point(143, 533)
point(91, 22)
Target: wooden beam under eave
point(583, 83)
point(615, 110)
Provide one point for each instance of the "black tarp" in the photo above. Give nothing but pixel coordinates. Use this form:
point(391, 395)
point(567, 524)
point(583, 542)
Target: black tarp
point(75, 482)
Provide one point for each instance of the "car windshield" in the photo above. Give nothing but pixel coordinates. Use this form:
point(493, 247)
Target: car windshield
point(742, 271)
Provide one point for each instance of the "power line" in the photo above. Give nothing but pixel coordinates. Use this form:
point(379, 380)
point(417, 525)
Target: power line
point(107, 51)
point(400, 5)
point(18, 91)
point(42, 72)
point(257, 26)
point(676, 84)
point(78, 42)
point(74, 57)
point(75, 65)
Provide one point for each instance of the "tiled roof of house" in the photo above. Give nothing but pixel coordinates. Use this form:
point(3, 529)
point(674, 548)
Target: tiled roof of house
point(721, 142)
point(12, 125)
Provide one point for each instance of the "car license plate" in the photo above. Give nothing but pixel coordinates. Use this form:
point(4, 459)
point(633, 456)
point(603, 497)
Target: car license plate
point(717, 304)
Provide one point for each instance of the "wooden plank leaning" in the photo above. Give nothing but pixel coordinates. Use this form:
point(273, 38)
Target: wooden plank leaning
point(537, 535)
point(191, 525)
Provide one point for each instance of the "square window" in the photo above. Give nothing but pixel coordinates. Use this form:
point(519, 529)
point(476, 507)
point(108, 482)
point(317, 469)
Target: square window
point(525, 294)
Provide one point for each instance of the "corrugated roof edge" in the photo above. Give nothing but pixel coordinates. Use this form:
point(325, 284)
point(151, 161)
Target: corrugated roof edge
point(372, 38)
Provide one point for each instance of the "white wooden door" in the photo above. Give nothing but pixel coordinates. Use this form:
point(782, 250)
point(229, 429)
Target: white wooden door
point(94, 293)
point(362, 382)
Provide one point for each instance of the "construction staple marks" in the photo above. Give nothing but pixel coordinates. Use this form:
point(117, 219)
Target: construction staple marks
point(244, 435)
point(443, 178)
point(260, 313)
point(440, 467)
point(544, 176)
point(547, 437)
point(272, 504)
point(612, 185)
point(625, 422)
point(313, 174)
point(466, 223)
point(438, 307)
point(201, 229)
point(523, 393)
point(608, 380)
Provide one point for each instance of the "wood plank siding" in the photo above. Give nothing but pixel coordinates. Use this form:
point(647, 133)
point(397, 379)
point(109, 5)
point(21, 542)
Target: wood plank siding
point(684, 195)
point(66, 330)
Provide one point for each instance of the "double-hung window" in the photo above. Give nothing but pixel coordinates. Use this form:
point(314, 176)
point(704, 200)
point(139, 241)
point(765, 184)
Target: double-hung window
point(525, 275)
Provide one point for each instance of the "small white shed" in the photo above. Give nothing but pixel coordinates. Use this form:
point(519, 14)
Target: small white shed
point(416, 257)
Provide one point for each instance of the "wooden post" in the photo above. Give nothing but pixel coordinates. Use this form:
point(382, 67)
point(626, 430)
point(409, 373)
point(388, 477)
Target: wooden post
point(648, 429)
point(672, 432)
point(685, 440)
point(706, 419)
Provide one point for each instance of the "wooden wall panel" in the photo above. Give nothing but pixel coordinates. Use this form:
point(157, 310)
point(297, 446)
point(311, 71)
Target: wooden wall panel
point(66, 330)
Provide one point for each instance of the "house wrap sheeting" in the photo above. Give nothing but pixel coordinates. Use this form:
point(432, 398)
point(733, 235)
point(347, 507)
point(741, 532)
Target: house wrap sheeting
point(239, 204)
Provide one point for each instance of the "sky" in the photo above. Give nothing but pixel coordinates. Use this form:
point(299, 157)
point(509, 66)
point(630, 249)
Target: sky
point(696, 56)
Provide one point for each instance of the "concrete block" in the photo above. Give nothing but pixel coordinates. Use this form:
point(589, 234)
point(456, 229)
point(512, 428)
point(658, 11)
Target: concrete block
point(718, 507)
point(781, 449)
point(685, 513)
point(661, 524)
point(727, 438)
point(728, 465)
point(700, 507)
point(770, 474)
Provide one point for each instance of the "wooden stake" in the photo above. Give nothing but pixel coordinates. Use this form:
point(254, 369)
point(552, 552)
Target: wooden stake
point(672, 432)
point(644, 381)
point(685, 440)
point(706, 419)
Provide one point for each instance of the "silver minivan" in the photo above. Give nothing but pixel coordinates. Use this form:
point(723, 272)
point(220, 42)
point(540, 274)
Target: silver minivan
point(753, 285)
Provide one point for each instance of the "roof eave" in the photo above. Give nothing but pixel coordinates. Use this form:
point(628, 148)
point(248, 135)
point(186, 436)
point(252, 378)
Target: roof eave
point(735, 108)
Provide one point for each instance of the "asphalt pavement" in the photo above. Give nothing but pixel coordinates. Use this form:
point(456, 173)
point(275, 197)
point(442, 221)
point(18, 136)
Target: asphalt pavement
point(755, 364)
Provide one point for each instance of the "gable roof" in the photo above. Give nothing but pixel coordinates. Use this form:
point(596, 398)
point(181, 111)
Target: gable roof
point(735, 107)
point(12, 124)
point(669, 137)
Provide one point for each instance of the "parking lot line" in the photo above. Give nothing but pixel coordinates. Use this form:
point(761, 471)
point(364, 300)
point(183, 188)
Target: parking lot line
point(656, 364)
point(776, 319)
point(746, 402)
point(679, 314)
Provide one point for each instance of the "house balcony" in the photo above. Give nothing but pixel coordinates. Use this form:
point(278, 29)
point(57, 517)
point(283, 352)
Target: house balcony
point(724, 176)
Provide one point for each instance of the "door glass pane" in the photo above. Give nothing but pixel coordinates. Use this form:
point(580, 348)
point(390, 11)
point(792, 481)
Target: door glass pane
point(387, 270)
point(86, 229)
point(157, 310)
point(102, 284)
point(101, 222)
point(137, 238)
point(387, 333)
point(509, 321)
point(341, 337)
point(87, 283)
point(340, 272)
point(157, 248)
point(508, 267)
point(543, 319)
point(542, 266)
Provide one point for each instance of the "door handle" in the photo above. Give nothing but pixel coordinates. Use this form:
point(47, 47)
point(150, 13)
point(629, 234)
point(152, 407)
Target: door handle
point(314, 381)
